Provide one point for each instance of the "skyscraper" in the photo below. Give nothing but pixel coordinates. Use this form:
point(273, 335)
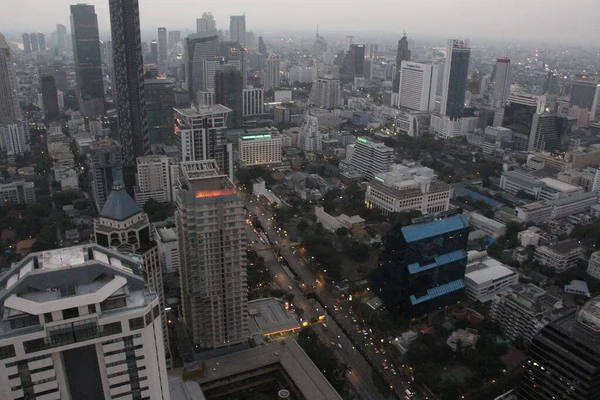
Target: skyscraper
point(213, 255)
point(587, 95)
point(237, 29)
point(327, 92)
point(162, 51)
point(199, 47)
point(262, 47)
point(272, 73)
point(502, 81)
point(348, 43)
point(174, 37)
point(160, 100)
point(26, 43)
point(202, 131)
point(354, 63)
point(12, 138)
point(88, 61)
point(50, 98)
point(228, 92)
point(563, 359)
point(89, 330)
point(206, 24)
point(106, 168)
point(42, 41)
point(124, 227)
point(418, 84)
point(454, 85)
point(129, 84)
point(402, 54)
point(548, 131)
point(422, 268)
point(233, 51)
point(154, 51)
point(35, 46)
point(61, 36)
point(9, 101)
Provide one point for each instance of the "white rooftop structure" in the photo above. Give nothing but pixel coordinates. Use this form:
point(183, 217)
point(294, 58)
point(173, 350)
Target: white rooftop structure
point(485, 277)
point(561, 186)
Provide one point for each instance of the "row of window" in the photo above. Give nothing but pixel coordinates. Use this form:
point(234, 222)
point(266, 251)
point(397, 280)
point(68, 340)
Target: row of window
point(19, 387)
point(40, 394)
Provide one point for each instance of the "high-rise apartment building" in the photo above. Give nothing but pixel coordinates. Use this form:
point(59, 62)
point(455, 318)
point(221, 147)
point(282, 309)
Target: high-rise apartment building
point(418, 85)
point(206, 24)
point(202, 131)
point(370, 158)
point(10, 110)
point(402, 54)
point(422, 268)
point(124, 227)
point(35, 46)
point(272, 73)
point(260, 149)
point(13, 138)
point(50, 98)
point(310, 138)
point(229, 92)
point(563, 361)
point(162, 52)
point(153, 179)
point(132, 118)
point(160, 100)
point(154, 52)
point(199, 48)
point(237, 29)
point(586, 95)
point(327, 92)
point(502, 81)
point(106, 168)
point(174, 37)
point(88, 61)
point(80, 323)
point(26, 43)
point(210, 222)
point(454, 86)
point(61, 36)
point(253, 102)
point(42, 41)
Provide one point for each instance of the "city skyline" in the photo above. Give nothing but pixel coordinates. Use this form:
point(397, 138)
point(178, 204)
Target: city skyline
point(449, 19)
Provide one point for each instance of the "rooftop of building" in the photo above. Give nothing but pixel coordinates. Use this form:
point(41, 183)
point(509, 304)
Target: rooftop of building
point(488, 221)
point(184, 390)
point(167, 234)
point(564, 247)
point(560, 186)
point(574, 199)
point(487, 270)
point(269, 317)
point(373, 144)
point(202, 110)
point(589, 314)
point(524, 178)
point(535, 206)
point(413, 233)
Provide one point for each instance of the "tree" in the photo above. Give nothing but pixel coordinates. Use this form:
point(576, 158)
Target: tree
point(342, 232)
point(302, 225)
point(158, 211)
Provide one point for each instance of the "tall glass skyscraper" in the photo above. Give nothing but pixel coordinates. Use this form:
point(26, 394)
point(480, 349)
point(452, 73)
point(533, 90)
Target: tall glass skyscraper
point(88, 62)
point(422, 267)
point(9, 101)
point(199, 47)
point(129, 84)
point(456, 71)
point(228, 92)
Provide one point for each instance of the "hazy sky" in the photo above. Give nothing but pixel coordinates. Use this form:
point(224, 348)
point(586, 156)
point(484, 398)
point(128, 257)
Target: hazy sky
point(574, 21)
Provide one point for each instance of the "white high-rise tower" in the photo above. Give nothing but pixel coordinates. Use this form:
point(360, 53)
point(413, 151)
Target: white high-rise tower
point(418, 84)
point(502, 81)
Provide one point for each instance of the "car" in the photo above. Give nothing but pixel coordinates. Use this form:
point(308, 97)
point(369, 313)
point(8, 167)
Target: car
point(384, 365)
point(394, 372)
point(339, 345)
point(376, 350)
point(365, 332)
point(289, 287)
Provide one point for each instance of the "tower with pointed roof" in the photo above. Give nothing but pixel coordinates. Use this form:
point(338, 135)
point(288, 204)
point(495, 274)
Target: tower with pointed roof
point(124, 227)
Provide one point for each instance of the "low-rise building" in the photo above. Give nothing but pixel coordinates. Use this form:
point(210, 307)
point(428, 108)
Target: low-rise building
point(576, 204)
point(485, 277)
point(556, 189)
point(593, 268)
point(536, 212)
point(513, 182)
point(528, 238)
point(466, 337)
point(560, 256)
point(17, 192)
point(487, 225)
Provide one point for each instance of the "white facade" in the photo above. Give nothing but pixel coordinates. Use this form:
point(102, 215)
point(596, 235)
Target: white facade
point(485, 277)
point(487, 225)
point(237, 29)
point(17, 192)
point(260, 149)
point(253, 102)
point(168, 249)
point(153, 179)
point(560, 256)
point(211, 228)
point(446, 127)
point(502, 81)
point(12, 138)
point(327, 92)
point(418, 85)
point(528, 238)
point(310, 138)
point(91, 330)
point(593, 268)
point(272, 78)
point(302, 74)
point(371, 158)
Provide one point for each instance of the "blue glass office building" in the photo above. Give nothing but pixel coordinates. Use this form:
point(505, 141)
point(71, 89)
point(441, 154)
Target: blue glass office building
point(422, 267)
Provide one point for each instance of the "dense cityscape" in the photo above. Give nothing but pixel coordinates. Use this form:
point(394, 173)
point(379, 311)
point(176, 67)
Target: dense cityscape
point(224, 213)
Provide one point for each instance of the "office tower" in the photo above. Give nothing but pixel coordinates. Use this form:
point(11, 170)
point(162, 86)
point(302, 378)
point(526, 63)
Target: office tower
point(454, 86)
point(206, 24)
point(237, 29)
point(228, 92)
point(106, 168)
point(42, 41)
point(354, 63)
point(124, 227)
point(253, 102)
point(35, 46)
point(199, 47)
point(153, 179)
point(548, 131)
point(518, 116)
point(132, 119)
point(61, 36)
point(10, 110)
point(586, 95)
point(272, 73)
point(80, 323)
point(563, 359)
point(422, 267)
point(234, 52)
point(348, 43)
point(202, 131)
point(551, 83)
point(370, 158)
point(57, 70)
point(213, 255)
point(502, 81)
point(310, 138)
point(250, 40)
point(160, 100)
point(217, 64)
point(50, 98)
point(320, 46)
point(88, 62)
point(162, 51)
point(154, 51)
point(26, 43)
point(327, 92)
point(262, 47)
point(418, 85)
point(13, 138)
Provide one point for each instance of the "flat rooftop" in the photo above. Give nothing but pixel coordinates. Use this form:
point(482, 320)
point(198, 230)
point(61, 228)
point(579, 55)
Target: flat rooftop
point(271, 317)
point(486, 270)
point(560, 186)
point(202, 110)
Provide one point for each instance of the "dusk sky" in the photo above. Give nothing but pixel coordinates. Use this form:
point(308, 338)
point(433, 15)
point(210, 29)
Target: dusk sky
point(574, 21)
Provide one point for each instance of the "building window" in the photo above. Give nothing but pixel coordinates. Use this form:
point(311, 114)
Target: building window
point(70, 313)
point(91, 309)
point(48, 317)
point(136, 323)
point(7, 351)
point(111, 304)
point(23, 322)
